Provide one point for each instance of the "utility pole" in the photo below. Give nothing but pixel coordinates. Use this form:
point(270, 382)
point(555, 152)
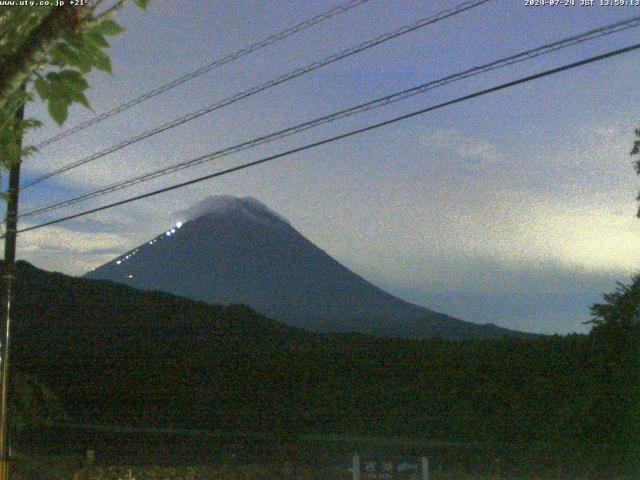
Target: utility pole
point(8, 278)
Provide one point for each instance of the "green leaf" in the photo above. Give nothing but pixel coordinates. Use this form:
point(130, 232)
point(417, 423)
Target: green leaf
point(52, 76)
point(31, 123)
point(58, 88)
point(84, 64)
point(73, 39)
point(42, 88)
point(58, 109)
point(81, 98)
point(26, 151)
point(142, 4)
point(66, 54)
point(107, 27)
point(74, 79)
point(102, 62)
point(64, 88)
point(98, 39)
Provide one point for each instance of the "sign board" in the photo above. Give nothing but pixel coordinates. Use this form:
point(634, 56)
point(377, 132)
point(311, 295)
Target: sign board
point(387, 469)
point(372, 470)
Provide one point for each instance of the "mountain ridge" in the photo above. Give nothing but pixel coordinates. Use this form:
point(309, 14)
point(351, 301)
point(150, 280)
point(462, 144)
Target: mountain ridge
point(229, 250)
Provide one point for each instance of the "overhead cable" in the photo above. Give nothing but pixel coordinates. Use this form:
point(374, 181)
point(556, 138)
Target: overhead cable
point(363, 107)
point(337, 10)
point(264, 86)
point(342, 136)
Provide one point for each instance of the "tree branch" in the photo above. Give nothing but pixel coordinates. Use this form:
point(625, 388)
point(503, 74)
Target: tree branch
point(107, 14)
point(18, 65)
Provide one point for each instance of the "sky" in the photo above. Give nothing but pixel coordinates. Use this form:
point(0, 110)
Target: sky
point(516, 208)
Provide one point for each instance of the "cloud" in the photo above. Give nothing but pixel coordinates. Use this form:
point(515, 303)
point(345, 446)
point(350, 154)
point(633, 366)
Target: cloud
point(474, 151)
point(67, 250)
point(222, 204)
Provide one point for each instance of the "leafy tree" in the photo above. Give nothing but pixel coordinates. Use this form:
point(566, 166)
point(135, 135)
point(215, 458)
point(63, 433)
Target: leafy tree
point(48, 50)
point(635, 151)
point(620, 308)
point(616, 356)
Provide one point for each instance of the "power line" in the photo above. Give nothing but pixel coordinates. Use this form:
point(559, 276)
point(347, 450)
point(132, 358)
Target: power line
point(377, 103)
point(351, 133)
point(271, 83)
point(337, 10)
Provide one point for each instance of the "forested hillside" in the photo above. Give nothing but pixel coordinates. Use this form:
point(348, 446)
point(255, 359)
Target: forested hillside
point(120, 356)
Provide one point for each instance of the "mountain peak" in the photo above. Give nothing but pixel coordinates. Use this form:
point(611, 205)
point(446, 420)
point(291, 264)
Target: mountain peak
point(233, 250)
point(227, 205)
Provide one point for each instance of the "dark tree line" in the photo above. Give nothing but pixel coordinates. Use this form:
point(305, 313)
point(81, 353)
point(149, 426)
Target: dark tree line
point(115, 355)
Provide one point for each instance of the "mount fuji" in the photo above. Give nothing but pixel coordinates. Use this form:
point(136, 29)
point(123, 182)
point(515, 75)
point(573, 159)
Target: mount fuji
point(232, 250)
